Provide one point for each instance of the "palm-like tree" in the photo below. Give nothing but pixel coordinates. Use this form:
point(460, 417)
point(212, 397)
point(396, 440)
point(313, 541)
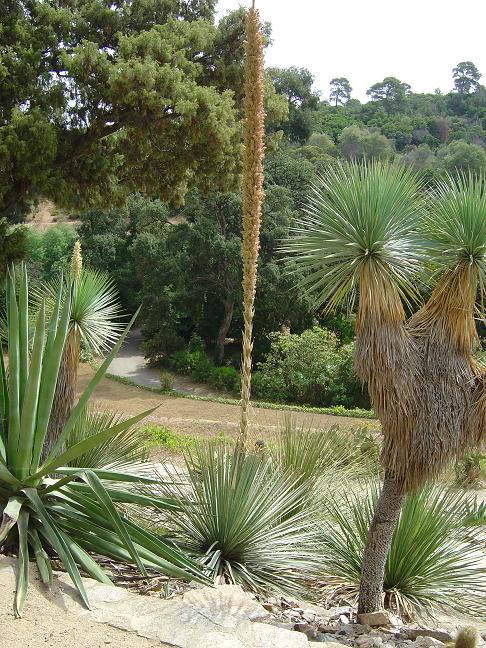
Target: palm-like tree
point(371, 233)
point(93, 323)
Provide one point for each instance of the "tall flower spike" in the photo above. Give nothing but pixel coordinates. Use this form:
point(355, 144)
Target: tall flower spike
point(252, 198)
point(76, 261)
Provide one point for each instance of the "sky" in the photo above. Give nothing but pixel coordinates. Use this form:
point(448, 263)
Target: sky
point(418, 41)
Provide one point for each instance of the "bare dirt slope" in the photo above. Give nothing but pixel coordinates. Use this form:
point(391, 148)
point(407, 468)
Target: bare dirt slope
point(203, 418)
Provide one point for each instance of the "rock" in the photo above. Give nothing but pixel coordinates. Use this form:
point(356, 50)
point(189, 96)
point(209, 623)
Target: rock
point(414, 633)
point(333, 614)
point(329, 641)
point(380, 618)
point(188, 623)
point(216, 603)
point(364, 642)
point(325, 628)
point(307, 629)
point(428, 642)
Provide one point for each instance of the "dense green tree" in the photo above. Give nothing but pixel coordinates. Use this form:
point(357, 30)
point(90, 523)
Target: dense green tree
point(49, 251)
point(466, 77)
point(340, 91)
point(459, 156)
point(100, 98)
point(390, 92)
point(296, 85)
point(362, 144)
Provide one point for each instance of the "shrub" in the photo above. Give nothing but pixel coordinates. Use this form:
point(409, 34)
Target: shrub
point(433, 563)
point(309, 368)
point(226, 378)
point(312, 454)
point(249, 523)
point(166, 381)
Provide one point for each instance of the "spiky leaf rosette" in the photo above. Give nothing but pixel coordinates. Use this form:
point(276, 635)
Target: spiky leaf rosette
point(454, 228)
point(358, 225)
point(74, 515)
point(455, 224)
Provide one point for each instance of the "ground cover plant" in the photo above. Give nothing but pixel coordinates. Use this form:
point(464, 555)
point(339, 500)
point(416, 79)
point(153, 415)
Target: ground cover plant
point(49, 507)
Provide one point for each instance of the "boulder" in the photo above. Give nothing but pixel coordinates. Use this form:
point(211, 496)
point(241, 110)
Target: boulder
point(380, 618)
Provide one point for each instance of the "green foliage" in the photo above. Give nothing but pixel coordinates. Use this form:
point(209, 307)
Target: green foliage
point(249, 523)
point(433, 563)
point(310, 368)
point(166, 381)
point(124, 451)
point(296, 85)
point(13, 245)
point(320, 455)
point(471, 469)
point(459, 156)
point(378, 206)
point(466, 77)
point(72, 515)
point(357, 143)
point(49, 251)
point(99, 99)
point(340, 90)
point(390, 92)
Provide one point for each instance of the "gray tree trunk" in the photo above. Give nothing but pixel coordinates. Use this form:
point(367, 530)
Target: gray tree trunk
point(229, 305)
point(378, 545)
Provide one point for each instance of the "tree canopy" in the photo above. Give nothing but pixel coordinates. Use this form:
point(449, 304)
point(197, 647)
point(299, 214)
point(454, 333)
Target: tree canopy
point(100, 98)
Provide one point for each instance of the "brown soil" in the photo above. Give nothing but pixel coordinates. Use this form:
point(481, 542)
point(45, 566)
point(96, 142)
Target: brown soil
point(47, 624)
point(196, 417)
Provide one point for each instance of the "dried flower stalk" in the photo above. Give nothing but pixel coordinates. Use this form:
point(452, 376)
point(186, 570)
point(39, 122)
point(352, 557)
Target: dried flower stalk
point(252, 198)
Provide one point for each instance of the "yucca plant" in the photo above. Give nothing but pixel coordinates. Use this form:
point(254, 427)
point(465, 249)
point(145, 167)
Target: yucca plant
point(94, 323)
point(248, 522)
point(126, 451)
point(75, 513)
point(324, 454)
point(433, 564)
point(369, 233)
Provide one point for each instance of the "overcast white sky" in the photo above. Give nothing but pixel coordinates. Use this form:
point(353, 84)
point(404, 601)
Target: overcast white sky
point(418, 41)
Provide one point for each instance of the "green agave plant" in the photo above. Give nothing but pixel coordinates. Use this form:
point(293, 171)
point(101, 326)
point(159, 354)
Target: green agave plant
point(435, 563)
point(74, 513)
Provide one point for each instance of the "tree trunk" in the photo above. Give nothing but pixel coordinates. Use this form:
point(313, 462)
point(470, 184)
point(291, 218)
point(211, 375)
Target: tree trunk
point(229, 304)
point(378, 545)
point(65, 394)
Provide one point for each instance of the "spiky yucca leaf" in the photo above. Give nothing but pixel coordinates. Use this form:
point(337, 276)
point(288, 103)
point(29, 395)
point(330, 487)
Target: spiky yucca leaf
point(95, 308)
point(455, 224)
point(76, 513)
point(251, 523)
point(359, 219)
point(121, 452)
point(324, 454)
point(433, 563)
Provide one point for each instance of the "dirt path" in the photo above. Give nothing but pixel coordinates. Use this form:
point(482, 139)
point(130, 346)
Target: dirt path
point(203, 418)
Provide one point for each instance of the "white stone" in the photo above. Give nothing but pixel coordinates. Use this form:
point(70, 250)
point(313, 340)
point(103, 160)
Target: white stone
point(187, 623)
